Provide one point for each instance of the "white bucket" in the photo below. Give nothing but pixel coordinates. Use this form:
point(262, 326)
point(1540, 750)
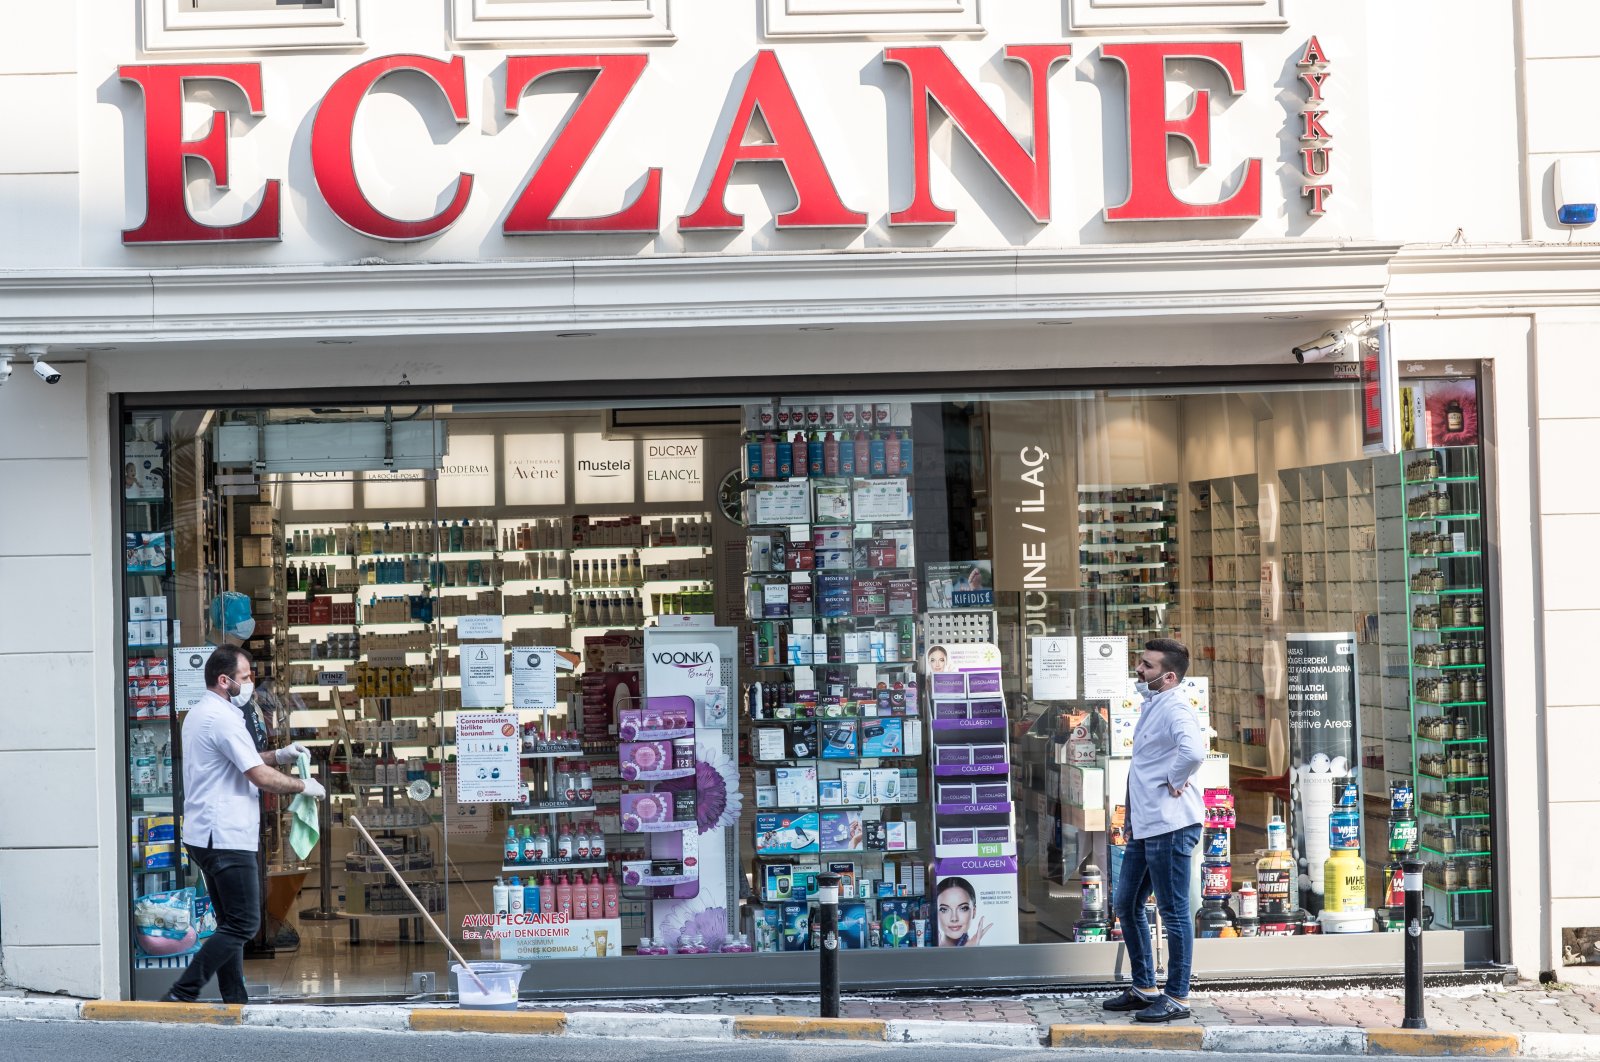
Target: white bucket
point(1347, 921)
point(501, 982)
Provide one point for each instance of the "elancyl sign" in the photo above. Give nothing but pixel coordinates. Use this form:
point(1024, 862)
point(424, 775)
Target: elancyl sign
point(931, 77)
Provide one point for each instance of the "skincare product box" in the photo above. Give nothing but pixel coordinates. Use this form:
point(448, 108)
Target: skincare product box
point(947, 684)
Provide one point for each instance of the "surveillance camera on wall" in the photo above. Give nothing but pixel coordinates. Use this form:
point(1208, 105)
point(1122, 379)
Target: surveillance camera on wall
point(41, 368)
point(1329, 346)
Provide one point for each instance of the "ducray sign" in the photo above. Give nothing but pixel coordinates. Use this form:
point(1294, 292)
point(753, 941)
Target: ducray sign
point(674, 470)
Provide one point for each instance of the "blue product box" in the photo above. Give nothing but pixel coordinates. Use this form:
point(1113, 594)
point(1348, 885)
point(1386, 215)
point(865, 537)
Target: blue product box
point(884, 736)
point(786, 833)
point(852, 925)
point(833, 595)
point(794, 926)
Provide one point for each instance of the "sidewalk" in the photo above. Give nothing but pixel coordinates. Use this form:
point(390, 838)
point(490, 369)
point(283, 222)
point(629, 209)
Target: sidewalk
point(1531, 1021)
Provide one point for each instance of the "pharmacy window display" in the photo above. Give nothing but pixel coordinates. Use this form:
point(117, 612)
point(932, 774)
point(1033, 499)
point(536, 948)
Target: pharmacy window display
point(602, 697)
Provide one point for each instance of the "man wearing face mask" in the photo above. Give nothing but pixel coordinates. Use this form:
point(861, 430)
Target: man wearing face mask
point(223, 777)
point(1165, 812)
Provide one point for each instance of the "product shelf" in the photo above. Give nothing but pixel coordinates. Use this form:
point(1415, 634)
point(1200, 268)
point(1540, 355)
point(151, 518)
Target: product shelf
point(1452, 741)
point(1452, 855)
point(515, 868)
point(1441, 479)
point(1443, 517)
point(1463, 815)
point(1454, 777)
point(1457, 892)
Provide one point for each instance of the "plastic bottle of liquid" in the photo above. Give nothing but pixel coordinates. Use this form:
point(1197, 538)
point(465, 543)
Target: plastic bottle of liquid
point(597, 896)
point(502, 897)
point(144, 763)
point(597, 842)
point(613, 896)
point(1275, 871)
point(785, 457)
point(513, 850)
point(547, 895)
point(905, 454)
point(530, 846)
point(580, 898)
point(542, 844)
point(863, 454)
point(164, 772)
point(514, 896)
point(815, 455)
point(847, 455)
point(564, 843)
point(891, 455)
point(830, 455)
point(800, 454)
point(564, 895)
point(580, 846)
point(877, 456)
point(752, 459)
point(769, 457)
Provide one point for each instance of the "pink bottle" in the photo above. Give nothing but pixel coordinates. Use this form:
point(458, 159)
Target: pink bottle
point(863, 464)
point(597, 897)
point(580, 899)
point(830, 455)
point(613, 897)
point(564, 895)
point(798, 460)
point(547, 896)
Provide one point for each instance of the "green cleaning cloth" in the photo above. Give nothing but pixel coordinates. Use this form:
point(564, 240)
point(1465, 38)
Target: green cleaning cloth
point(304, 830)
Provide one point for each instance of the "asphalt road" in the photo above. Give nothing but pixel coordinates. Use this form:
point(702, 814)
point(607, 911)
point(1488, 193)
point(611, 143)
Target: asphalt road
point(36, 1041)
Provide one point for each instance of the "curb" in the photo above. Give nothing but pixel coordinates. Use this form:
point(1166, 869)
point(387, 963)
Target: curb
point(765, 1027)
point(1235, 1039)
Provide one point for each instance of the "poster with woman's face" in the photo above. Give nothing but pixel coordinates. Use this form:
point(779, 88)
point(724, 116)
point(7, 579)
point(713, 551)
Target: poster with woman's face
point(975, 909)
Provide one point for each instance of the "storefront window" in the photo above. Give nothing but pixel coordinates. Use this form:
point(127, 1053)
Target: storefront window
point(602, 689)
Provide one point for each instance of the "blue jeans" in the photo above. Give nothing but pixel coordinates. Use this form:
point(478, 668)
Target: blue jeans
point(1161, 863)
point(234, 883)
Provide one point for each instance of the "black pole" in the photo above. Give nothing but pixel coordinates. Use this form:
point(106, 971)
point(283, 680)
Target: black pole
point(1412, 869)
point(324, 911)
point(828, 905)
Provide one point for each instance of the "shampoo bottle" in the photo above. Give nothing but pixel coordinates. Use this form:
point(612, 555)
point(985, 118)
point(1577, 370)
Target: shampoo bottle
point(863, 454)
point(502, 897)
point(769, 457)
point(847, 455)
point(547, 896)
point(580, 898)
point(514, 897)
point(801, 454)
point(564, 895)
point(597, 899)
point(613, 896)
point(878, 456)
point(830, 455)
point(815, 457)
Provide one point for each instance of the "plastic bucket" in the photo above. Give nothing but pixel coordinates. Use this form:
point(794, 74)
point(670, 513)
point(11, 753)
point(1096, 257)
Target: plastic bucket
point(501, 983)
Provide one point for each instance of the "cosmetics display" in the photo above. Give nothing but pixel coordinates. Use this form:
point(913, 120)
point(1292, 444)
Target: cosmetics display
point(1128, 551)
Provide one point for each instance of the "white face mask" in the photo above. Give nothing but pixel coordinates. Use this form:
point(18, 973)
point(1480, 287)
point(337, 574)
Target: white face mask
point(242, 697)
point(1143, 688)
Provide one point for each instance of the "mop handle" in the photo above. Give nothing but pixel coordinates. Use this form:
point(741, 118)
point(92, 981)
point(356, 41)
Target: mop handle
point(413, 896)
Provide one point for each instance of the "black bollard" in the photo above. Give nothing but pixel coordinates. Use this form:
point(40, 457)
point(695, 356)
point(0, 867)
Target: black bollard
point(828, 917)
point(1412, 869)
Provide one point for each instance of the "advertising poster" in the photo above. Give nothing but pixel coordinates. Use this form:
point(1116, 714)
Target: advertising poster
point(533, 677)
point(1324, 743)
point(975, 902)
point(960, 584)
point(524, 937)
point(488, 758)
point(1105, 668)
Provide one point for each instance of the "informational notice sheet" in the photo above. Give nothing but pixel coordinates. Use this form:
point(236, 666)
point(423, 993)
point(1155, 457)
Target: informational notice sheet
point(1055, 669)
point(1105, 668)
point(483, 675)
point(488, 758)
point(189, 675)
point(480, 628)
point(533, 677)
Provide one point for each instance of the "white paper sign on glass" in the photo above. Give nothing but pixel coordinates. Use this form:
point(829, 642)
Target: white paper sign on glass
point(479, 628)
point(1105, 667)
point(483, 676)
point(466, 476)
point(781, 503)
point(1055, 669)
point(535, 469)
point(533, 677)
point(488, 758)
point(603, 469)
point(189, 675)
point(674, 470)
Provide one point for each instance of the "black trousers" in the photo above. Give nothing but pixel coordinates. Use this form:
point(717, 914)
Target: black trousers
point(234, 882)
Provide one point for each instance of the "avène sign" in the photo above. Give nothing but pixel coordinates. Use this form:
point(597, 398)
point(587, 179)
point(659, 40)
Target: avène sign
point(932, 79)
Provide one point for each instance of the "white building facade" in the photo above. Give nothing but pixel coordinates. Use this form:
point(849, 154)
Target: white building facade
point(225, 201)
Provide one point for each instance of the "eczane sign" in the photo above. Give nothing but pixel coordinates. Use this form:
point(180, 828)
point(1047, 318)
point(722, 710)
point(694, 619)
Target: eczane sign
point(1020, 160)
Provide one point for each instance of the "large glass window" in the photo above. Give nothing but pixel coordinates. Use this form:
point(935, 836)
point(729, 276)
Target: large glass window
point(628, 681)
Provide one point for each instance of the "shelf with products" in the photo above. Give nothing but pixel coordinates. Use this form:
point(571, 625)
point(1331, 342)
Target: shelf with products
point(1448, 666)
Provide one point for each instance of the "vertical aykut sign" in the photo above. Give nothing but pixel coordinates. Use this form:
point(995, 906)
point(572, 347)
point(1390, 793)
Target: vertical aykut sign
point(1324, 743)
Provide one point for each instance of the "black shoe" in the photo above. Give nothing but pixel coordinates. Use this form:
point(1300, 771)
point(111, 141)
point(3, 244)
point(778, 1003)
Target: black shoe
point(1165, 1008)
point(1128, 999)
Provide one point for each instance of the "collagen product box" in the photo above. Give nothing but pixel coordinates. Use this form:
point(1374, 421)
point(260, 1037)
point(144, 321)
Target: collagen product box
point(979, 682)
point(993, 708)
point(952, 755)
point(991, 793)
point(988, 754)
point(950, 835)
point(948, 684)
point(992, 835)
point(950, 709)
point(955, 793)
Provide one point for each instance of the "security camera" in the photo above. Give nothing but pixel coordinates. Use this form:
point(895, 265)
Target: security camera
point(1325, 346)
point(41, 368)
